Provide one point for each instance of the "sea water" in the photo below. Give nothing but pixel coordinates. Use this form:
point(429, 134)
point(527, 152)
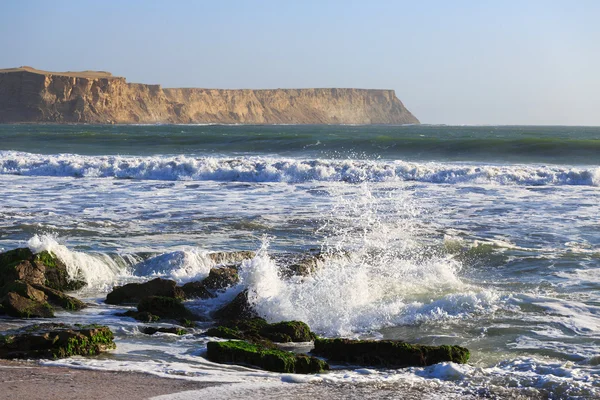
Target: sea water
point(486, 237)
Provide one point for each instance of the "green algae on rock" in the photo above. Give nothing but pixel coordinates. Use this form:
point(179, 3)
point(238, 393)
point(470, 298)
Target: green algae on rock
point(150, 330)
point(387, 353)
point(240, 352)
point(259, 331)
point(56, 341)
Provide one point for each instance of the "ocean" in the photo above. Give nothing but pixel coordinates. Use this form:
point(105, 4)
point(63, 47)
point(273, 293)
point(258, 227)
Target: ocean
point(482, 236)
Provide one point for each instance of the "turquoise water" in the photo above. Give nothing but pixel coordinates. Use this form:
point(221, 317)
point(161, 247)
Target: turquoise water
point(488, 237)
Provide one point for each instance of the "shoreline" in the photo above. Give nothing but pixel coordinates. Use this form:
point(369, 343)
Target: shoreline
point(32, 381)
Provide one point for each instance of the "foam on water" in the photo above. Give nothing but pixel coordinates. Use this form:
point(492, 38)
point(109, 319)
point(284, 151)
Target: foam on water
point(98, 270)
point(262, 169)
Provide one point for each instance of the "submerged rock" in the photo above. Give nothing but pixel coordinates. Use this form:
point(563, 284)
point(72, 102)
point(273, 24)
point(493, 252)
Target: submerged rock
point(165, 307)
point(136, 292)
point(150, 330)
point(387, 353)
point(56, 341)
point(239, 308)
point(240, 352)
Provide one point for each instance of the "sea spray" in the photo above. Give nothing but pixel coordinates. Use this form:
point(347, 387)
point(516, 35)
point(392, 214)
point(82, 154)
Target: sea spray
point(374, 273)
point(96, 269)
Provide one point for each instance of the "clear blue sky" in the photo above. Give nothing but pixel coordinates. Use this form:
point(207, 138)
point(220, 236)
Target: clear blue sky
point(454, 62)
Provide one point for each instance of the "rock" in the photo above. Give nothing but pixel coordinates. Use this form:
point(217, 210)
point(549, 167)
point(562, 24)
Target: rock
point(387, 353)
point(56, 341)
point(59, 299)
point(221, 278)
point(240, 352)
point(24, 289)
point(36, 269)
point(164, 307)
point(230, 257)
point(239, 308)
point(196, 290)
point(17, 306)
point(288, 331)
point(149, 330)
point(135, 292)
point(257, 330)
point(140, 316)
point(56, 275)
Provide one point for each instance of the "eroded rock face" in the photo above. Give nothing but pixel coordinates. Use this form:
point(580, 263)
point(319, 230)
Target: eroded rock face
point(29, 95)
point(56, 341)
point(135, 292)
point(239, 308)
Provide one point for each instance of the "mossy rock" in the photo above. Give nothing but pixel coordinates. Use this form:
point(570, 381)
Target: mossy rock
point(165, 307)
point(17, 306)
point(150, 330)
point(257, 330)
point(288, 331)
point(59, 299)
point(221, 278)
point(387, 353)
point(24, 289)
point(36, 269)
point(135, 292)
point(56, 341)
point(240, 352)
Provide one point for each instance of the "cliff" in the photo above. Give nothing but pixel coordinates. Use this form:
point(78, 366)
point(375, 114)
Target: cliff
point(30, 95)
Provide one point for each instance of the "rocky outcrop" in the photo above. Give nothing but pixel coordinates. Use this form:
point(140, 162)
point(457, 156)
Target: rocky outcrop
point(387, 353)
point(56, 341)
point(30, 95)
point(30, 284)
point(239, 352)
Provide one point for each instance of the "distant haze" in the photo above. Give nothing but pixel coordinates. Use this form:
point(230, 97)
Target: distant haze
point(459, 62)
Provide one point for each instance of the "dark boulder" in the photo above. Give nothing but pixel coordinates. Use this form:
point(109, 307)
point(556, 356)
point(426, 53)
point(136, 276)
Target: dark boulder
point(239, 308)
point(165, 307)
point(135, 292)
point(387, 353)
point(59, 299)
point(196, 290)
point(288, 331)
point(240, 352)
point(56, 341)
point(140, 316)
point(150, 330)
point(15, 305)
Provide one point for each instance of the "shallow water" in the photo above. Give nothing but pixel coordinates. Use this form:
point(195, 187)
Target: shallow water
point(487, 237)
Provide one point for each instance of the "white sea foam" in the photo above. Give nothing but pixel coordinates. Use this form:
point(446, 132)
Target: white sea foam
point(258, 169)
point(97, 270)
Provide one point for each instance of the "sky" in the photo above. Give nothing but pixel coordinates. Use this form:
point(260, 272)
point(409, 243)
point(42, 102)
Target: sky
point(450, 62)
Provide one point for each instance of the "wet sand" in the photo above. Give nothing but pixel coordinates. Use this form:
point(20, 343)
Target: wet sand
point(30, 381)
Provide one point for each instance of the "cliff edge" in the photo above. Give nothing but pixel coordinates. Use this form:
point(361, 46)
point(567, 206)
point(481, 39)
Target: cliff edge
point(31, 95)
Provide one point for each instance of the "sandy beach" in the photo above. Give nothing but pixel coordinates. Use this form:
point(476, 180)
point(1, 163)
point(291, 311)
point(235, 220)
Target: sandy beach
point(29, 380)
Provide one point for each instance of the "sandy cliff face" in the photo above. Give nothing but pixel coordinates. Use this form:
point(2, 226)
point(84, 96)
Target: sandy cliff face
point(28, 95)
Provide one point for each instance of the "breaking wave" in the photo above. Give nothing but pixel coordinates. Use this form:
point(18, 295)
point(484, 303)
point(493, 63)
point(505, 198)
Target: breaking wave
point(261, 169)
